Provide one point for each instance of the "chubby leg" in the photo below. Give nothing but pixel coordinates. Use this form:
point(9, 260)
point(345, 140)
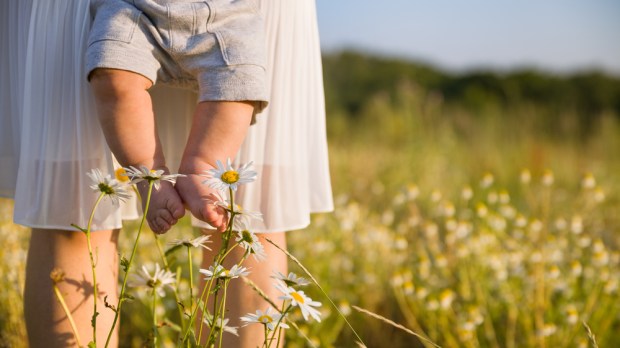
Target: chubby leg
point(126, 116)
point(242, 299)
point(218, 129)
point(46, 322)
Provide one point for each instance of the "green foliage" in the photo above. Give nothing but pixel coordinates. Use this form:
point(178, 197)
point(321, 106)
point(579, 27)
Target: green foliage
point(406, 141)
point(353, 79)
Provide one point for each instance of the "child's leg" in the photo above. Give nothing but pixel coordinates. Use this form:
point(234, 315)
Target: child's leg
point(218, 129)
point(126, 116)
point(241, 298)
point(46, 321)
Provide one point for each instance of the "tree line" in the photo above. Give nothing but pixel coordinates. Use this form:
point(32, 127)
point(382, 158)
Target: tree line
point(351, 78)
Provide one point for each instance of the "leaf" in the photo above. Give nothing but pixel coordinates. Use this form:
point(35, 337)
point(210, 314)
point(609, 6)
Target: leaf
point(93, 321)
point(92, 344)
point(124, 264)
point(108, 305)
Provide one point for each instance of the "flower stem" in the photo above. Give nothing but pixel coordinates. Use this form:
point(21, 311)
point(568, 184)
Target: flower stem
point(126, 276)
point(92, 266)
point(294, 259)
point(68, 313)
point(278, 328)
point(167, 268)
point(203, 298)
point(191, 277)
point(154, 318)
point(223, 311)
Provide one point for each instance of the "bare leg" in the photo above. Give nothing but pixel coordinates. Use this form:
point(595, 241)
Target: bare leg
point(46, 321)
point(126, 116)
point(242, 299)
point(218, 129)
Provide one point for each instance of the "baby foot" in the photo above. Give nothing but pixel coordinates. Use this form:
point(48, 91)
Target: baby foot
point(165, 207)
point(199, 200)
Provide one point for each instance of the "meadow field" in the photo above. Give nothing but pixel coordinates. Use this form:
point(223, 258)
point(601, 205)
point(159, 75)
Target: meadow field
point(486, 227)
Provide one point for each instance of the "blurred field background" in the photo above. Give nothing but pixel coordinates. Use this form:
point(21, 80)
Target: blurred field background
point(478, 209)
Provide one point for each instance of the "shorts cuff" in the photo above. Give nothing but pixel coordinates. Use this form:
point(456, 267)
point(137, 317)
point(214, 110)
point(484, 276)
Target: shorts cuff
point(234, 83)
point(119, 55)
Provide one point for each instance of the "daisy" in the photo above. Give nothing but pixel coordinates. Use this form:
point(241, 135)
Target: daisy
point(250, 242)
point(220, 272)
point(226, 177)
point(220, 324)
point(196, 242)
point(298, 298)
point(267, 318)
point(121, 175)
point(157, 281)
point(108, 186)
point(291, 280)
point(150, 175)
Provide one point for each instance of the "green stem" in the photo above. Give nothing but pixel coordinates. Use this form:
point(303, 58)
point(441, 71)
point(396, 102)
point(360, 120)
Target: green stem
point(228, 232)
point(223, 311)
point(214, 317)
point(205, 290)
point(154, 318)
point(319, 286)
point(167, 268)
point(93, 265)
point(191, 277)
point(68, 313)
point(277, 328)
point(133, 254)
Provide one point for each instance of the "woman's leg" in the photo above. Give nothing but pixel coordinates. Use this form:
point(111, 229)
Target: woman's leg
point(46, 322)
point(241, 298)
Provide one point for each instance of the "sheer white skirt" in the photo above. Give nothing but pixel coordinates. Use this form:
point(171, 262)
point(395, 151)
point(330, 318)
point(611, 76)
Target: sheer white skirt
point(50, 136)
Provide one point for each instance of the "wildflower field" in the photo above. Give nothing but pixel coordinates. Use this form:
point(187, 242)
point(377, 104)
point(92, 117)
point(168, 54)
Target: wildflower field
point(494, 228)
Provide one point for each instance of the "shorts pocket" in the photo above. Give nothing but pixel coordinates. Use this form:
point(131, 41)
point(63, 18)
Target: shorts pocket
point(239, 30)
point(114, 20)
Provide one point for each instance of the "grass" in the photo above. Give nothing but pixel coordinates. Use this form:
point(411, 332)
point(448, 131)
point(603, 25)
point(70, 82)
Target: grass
point(436, 229)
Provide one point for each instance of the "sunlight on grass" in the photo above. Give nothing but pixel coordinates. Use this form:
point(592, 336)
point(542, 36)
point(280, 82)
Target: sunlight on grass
point(485, 230)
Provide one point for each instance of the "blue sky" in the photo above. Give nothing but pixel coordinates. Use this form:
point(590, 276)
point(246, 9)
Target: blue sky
point(555, 35)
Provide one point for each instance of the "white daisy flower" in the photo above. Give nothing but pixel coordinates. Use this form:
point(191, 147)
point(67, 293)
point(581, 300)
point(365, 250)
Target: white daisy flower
point(220, 272)
point(299, 299)
point(291, 280)
point(112, 188)
point(195, 243)
point(225, 177)
point(150, 175)
point(220, 324)
point(160, 279)
point(250, 242)
point(268, 318)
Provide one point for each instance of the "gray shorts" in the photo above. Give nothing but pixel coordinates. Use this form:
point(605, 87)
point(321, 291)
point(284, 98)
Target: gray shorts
point(216, 46)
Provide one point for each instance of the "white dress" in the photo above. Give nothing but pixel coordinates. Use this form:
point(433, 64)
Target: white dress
point(50, 136)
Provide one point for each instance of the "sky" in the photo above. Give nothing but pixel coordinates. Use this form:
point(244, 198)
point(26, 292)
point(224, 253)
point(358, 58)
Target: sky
point(561, 36)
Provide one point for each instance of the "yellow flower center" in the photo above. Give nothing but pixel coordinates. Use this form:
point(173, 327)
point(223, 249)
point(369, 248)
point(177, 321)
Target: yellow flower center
point(230, 177)
point(298, 297)
point(121, 175)
point(265, 318)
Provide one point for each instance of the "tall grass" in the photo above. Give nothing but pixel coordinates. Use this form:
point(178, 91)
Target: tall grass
point(438, 229)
